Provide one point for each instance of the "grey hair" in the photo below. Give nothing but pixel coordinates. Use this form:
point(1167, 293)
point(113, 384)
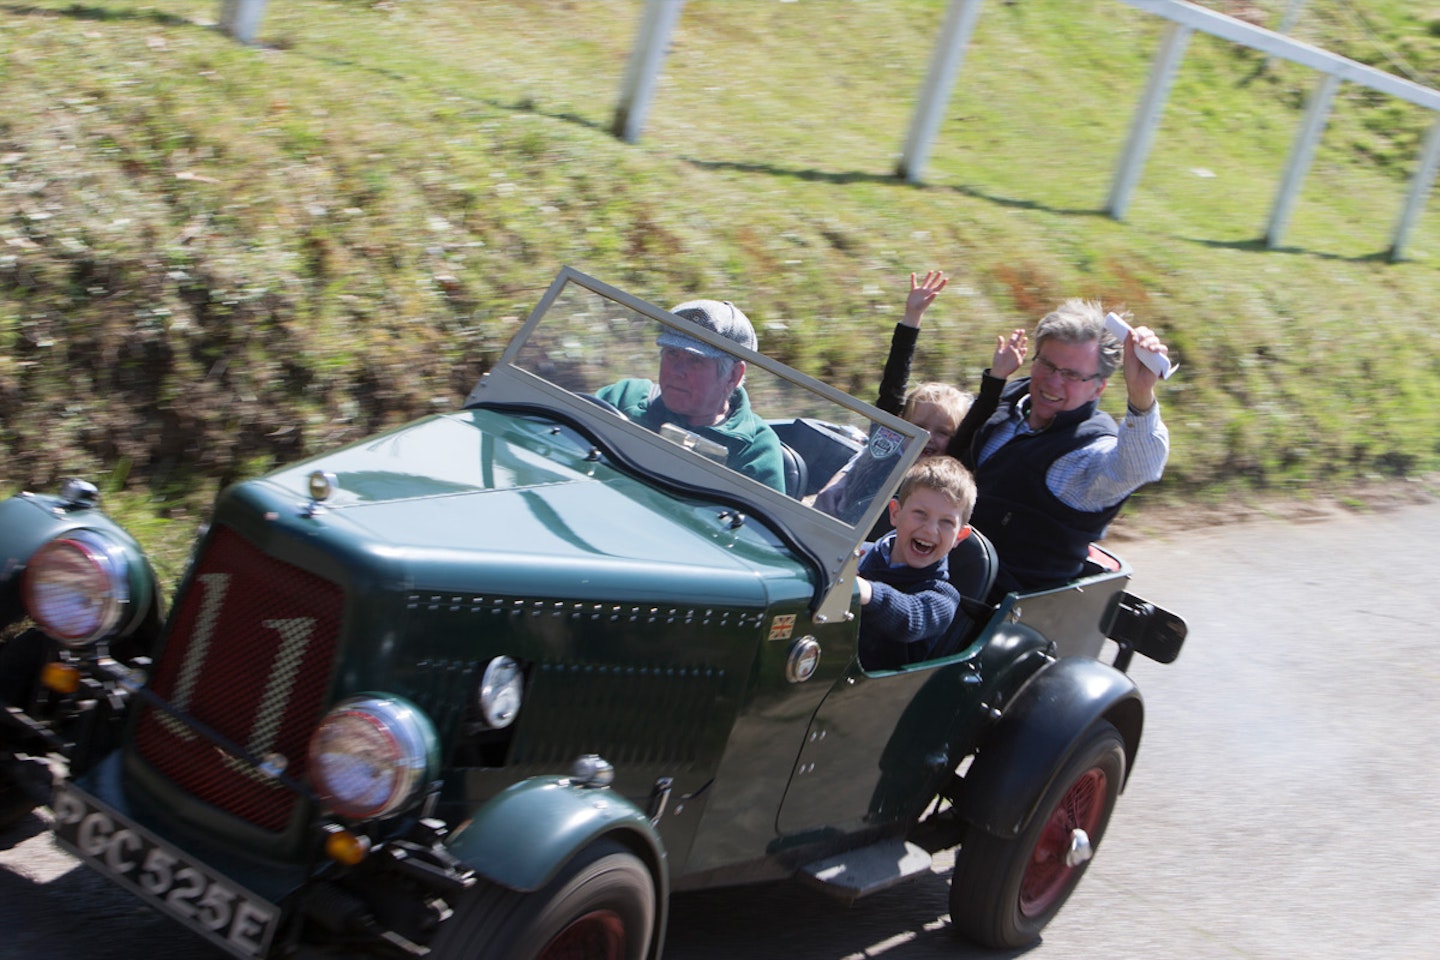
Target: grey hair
point(725, 365)
point(1082, 321)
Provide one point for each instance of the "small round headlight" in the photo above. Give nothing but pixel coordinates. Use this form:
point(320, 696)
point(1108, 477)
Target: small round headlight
point(77, 587)
point(502, 689)
point(371, 756)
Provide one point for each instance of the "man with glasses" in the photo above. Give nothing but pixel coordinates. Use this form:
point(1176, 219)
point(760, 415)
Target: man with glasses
point(1052, 469)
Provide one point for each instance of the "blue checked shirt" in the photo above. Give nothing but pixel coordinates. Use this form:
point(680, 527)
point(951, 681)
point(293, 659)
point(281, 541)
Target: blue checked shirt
point(1105, 471)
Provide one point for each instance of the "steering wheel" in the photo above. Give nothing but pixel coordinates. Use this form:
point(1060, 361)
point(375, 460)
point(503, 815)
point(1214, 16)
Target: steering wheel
point(604, 405)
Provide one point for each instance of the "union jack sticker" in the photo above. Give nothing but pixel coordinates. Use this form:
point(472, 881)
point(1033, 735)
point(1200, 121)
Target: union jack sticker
point(781, 627)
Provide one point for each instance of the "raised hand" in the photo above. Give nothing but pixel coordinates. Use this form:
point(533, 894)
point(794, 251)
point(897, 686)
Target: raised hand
point(922, 294)
point(1140, 380)
point(1009, 353)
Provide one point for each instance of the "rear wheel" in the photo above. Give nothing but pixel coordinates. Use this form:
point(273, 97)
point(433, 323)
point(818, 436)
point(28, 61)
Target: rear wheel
point(600, 906)
point(1005, 890)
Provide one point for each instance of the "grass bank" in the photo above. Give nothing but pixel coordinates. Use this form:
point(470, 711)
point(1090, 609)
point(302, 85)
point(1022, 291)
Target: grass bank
point(215, 258)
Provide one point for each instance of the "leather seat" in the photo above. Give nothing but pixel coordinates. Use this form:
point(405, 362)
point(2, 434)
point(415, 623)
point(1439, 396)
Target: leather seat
point(797, 476)
point(973, 566)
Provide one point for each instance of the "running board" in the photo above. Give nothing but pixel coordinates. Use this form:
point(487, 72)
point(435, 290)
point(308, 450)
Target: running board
point(859, 873)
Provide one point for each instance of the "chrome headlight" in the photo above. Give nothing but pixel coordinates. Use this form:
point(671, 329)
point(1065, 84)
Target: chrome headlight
point(77, 587)
point(371, 756)
point(502, 690)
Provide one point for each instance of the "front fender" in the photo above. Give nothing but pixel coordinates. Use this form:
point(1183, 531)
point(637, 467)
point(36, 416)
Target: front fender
point(28, 521)
point(1018, 760)
point(522, 836)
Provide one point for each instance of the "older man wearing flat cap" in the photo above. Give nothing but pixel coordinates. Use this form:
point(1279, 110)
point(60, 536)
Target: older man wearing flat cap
point(700, 389)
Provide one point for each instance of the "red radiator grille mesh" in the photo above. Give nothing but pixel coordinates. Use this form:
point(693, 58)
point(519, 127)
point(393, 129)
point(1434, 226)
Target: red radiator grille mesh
point(252, 643)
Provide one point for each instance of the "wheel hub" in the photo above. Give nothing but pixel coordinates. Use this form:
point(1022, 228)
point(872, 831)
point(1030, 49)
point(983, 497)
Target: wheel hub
point(1080, 849)
point(1064, 844)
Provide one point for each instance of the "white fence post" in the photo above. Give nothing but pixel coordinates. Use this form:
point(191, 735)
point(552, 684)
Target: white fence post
point(1420, 183)
point(657, 20)
point(1332, 66)
point(241, 18)
point(1147, 118)
point(1292, 13)
point(945, 63)
point(1287, 23)
point(1301, 154)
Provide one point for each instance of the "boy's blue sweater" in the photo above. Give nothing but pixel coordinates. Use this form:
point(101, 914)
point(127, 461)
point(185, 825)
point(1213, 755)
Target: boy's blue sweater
point(910, 611)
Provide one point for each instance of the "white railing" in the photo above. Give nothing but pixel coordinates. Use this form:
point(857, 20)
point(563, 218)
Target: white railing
point(241, 19)
point(1185, 19)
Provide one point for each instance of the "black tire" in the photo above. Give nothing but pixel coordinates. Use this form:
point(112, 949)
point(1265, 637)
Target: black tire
point(21, 659)
point(1005, 890)
point(25, 783)
point(15, 803)
point(600, 906)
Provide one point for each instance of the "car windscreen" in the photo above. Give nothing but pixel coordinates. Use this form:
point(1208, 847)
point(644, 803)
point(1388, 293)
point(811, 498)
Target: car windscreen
point(712, 399)
point(591, 355)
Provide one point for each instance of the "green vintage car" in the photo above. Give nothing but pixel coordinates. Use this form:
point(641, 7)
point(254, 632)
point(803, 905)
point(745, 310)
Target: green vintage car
point(496, 683)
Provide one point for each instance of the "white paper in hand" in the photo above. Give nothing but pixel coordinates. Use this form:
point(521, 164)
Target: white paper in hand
point(1157, 362)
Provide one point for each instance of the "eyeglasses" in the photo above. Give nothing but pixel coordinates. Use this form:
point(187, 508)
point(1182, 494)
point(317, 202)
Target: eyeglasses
point(1066, 374)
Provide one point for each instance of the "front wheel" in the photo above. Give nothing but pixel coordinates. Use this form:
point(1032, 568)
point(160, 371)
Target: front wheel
point(1005, 890)
point(22, 657)
point(600, 906)
point(15, 802)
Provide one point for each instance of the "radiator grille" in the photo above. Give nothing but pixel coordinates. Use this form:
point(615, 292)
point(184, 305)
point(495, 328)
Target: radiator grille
point(250, 654)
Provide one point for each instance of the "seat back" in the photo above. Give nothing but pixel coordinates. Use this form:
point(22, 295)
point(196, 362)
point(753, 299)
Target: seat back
point(797, 479)
point(973, 566)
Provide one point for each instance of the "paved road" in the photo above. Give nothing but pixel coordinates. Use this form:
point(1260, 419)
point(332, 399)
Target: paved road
point(1286, 802)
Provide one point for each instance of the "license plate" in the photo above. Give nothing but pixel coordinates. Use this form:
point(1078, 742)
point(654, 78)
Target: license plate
point(214, 907)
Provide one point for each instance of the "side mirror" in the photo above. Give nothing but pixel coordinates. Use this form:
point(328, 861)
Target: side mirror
point(1138, 626)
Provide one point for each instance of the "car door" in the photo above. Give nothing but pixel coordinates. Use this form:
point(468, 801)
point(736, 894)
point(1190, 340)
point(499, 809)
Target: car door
point(874, 748)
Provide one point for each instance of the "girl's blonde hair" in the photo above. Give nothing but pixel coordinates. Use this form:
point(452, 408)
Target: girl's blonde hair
point(952, 400)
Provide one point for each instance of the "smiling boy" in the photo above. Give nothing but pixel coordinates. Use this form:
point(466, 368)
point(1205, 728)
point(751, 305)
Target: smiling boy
point(908, 604)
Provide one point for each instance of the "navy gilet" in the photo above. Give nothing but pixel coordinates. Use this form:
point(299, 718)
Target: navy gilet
point(1041, 540)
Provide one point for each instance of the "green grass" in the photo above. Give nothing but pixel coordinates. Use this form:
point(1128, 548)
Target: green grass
point(215, 258)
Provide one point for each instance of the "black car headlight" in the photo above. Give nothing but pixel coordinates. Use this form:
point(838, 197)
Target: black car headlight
point(371, 756)
point(77, 587)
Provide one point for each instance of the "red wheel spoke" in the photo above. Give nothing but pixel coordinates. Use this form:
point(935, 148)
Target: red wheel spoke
point(599, 935)
point(1048, 875)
